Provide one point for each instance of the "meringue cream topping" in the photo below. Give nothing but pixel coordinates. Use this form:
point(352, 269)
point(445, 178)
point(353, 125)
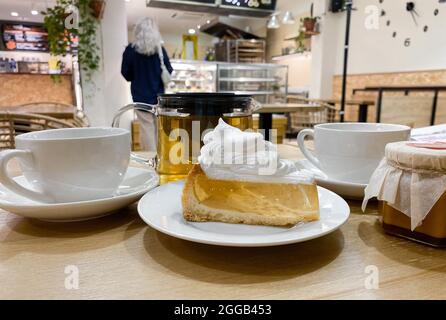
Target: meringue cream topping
point(231, 154)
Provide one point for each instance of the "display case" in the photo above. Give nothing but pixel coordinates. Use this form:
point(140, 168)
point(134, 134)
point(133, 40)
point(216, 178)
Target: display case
point(267, 83)
point(193, 76)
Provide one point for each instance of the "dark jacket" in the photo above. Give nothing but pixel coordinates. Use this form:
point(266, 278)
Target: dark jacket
point(144, 72)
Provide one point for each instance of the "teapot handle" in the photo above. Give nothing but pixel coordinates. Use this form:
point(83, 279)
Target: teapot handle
point(142, 107)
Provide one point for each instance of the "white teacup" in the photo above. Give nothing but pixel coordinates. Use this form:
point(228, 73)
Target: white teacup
point(69, 165)
point(350, 151)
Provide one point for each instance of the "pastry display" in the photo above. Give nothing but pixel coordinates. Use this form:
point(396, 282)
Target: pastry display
point(241, 179)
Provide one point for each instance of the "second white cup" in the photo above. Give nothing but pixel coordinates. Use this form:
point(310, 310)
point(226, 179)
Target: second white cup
point(350, 152)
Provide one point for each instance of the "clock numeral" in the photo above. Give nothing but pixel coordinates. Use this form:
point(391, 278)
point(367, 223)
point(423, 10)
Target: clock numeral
point(407, 42)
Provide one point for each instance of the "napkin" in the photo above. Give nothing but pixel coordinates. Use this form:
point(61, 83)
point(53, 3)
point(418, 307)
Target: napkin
point(429, 144)
point(409, 179)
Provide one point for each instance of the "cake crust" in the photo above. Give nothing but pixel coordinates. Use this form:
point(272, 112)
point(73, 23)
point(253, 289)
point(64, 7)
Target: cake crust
point(196, 212)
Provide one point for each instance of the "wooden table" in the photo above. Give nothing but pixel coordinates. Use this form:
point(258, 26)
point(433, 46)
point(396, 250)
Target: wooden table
point(121, 257)
point(58, 112)
point(266, 113)
point(363, 106)
point(284, 107)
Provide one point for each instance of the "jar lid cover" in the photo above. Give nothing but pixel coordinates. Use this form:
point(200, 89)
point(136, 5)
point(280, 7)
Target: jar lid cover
point(415, 158)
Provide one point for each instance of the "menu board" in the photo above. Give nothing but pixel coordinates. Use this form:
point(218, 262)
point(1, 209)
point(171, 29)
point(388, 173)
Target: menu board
point(28, 37)
point(24, 37)
point(199, 1)
point(250, 4)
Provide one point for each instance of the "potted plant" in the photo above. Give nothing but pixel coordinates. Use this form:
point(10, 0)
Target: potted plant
point(62, 38)
point(300, 43)
point(309, 24)
point(98, 7)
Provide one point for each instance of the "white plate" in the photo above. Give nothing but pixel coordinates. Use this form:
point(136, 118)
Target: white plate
point(136, 183)
point(349, 190)
point(161, 209)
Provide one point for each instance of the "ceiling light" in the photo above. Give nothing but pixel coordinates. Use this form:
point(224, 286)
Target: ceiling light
point(273, 23)
point(34, 10)
point(191, 31)
point(198, 27)
point(288, 18)
point(14, 14)
point(208, 21)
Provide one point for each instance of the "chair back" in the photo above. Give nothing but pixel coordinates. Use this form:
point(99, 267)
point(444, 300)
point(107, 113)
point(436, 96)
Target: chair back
point(413, 111)
point(66, 112)
point(316, 113)
point(14, 124)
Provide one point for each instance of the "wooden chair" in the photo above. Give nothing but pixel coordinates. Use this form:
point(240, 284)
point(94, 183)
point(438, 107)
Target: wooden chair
point(413, 111)
point(45, 106)
point(13, 124)
point(57, 110)
point(316, 113)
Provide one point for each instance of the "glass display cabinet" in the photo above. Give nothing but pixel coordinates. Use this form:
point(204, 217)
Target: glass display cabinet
point(193, 76)
point(267, 83)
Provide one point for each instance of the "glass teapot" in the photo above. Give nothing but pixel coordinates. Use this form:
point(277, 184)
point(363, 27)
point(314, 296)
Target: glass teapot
point(182, 121)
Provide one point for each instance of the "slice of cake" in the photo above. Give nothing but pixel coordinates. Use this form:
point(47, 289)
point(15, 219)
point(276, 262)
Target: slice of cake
point(247, 184)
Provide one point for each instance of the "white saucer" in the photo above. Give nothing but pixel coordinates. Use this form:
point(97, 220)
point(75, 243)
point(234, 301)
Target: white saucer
point(136, 183)
point(349, 190)
point(161, 209)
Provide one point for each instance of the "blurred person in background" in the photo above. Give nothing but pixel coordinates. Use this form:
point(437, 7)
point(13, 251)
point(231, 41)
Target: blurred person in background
point(143, 63)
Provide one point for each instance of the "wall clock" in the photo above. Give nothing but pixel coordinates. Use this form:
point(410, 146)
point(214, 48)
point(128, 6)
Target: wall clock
point(411, 9)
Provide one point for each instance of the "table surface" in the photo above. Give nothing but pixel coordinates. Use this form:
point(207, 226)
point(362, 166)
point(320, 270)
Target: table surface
point(352, 102)
point(358, 101)
point(58, 112)
point(403, 88)
point(120, 257)
point(284, 107)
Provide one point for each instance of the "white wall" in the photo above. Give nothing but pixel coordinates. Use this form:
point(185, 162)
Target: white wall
point(376, 51)
point(108, 90)
point(325, 50)
point(299, 66)
point(299, 71)
point(173, 42)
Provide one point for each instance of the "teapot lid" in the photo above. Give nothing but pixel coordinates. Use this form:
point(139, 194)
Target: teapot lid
point(202, 96)
point(207, 103)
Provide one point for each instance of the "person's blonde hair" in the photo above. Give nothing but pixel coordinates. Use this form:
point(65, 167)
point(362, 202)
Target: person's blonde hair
point(147, 37)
